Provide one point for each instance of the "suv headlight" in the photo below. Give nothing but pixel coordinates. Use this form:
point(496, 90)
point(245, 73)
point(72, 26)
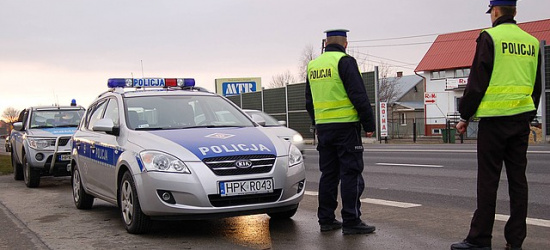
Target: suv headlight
point(297, 138)
point(39, 143)
point(162, 162)
point(294, 156)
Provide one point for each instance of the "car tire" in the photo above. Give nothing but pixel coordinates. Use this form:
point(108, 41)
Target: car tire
point(17, 168)
point(135, 221)
point(30, 175)
point(283, 215)
point(82, 200)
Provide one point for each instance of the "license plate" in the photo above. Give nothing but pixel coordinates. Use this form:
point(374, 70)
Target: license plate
point(66, 157)
point(232, 188)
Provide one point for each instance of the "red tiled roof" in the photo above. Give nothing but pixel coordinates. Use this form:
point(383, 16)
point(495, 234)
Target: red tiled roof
point(457, 50)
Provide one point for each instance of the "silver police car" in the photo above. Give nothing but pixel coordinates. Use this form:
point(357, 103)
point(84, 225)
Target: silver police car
point(175, 152)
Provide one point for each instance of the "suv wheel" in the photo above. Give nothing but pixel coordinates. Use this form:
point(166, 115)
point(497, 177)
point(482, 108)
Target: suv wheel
point(82, 200)
point(135, 221)
point(31, 175)
point(17, 168)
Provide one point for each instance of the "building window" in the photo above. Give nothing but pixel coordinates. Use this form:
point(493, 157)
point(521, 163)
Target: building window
point(465, 72)
point(438, 74)
point(402, 119)
point(436, 131)
point(459, 73)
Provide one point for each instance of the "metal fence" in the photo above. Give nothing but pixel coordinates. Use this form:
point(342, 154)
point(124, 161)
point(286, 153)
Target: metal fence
point(288, 103)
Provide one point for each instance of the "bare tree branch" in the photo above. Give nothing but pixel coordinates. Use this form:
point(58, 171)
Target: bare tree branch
point(387, 89)
point(10, 114)
point(281, 80)
point(308, 54)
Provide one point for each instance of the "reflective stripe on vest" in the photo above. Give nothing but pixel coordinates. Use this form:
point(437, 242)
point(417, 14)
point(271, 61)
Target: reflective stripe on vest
point(330, 100)
point(514, 73)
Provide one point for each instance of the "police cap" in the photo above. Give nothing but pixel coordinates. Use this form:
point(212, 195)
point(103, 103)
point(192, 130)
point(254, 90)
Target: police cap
point(337, 32)
point(501, 3)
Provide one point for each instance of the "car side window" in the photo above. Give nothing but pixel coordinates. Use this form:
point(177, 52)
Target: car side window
point(23, 117)
point(111, 112)
point(96, 114)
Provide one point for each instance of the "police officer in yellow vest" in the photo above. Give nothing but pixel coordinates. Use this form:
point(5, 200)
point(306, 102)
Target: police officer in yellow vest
point(337, 102)
point(503, 90)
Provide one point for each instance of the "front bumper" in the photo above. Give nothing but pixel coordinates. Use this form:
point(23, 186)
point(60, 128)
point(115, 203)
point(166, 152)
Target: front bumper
point(52, 161)
point(196, 195)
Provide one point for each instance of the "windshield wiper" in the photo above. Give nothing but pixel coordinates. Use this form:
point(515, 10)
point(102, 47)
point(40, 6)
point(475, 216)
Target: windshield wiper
point(42, 126)
point(151, 128)
point(67, 126)
point(214, 126)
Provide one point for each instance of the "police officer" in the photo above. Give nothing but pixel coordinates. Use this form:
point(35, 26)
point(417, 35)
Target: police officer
point(337, 103)
point(503, 90)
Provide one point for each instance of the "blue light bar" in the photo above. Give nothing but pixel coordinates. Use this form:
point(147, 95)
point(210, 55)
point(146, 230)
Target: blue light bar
point(150, 82)
point(188, 82)
point(119, 82)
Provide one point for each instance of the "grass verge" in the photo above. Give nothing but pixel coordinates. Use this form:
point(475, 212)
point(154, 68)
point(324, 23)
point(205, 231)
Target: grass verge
point(5, 165)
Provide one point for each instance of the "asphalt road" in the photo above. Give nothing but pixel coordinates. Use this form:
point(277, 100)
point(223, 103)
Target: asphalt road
point(418, 197)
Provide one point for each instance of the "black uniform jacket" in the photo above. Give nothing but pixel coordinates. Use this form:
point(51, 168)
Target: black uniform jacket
point(480, 75)
point(355, 88)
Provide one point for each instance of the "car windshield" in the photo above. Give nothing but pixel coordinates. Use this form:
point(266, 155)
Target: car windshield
point(270, 121)
point(56, 118)
point(182, 112)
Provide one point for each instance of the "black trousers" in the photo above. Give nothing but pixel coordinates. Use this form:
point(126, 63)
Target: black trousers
point(501, 140)
point(340, 161)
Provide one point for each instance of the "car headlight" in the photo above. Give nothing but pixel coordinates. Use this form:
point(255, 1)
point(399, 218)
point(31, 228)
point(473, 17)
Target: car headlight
point(297, 138)
point(39, 143)
point(294, 156)
point(162, 162)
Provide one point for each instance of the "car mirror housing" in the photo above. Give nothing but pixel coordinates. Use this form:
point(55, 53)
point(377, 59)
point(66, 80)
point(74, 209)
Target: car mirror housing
point(18, 126)
point(104, 125)
point(258, 119)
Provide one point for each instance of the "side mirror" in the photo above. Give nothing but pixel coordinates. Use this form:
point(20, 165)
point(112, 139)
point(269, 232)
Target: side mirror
point(106, 125)
point(18, 126)
point(282, 123)
point(258, 119)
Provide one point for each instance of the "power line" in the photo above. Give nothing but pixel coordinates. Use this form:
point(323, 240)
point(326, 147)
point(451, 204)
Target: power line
point(393, 38)
point(371, 55)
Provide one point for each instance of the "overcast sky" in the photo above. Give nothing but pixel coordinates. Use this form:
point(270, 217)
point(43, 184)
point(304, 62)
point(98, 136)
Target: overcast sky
point(54, 51)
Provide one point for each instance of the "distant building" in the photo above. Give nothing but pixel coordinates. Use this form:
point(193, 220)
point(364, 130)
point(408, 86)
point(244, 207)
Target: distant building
point(406, 107)
point(446, 67)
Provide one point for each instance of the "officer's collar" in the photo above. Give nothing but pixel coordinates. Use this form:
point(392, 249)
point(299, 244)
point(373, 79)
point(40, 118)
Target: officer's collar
point(335, 47)
point(504, 19)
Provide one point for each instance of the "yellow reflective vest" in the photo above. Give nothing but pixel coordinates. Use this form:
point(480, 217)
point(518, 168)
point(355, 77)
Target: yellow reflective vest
point(330, 101)
point(514, 73)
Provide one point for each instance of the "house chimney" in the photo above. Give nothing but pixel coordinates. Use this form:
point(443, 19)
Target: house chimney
point(399, 73)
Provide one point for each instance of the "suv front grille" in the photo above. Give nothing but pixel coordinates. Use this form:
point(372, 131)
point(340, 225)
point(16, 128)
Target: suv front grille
point(62, 142)
point(226, 165)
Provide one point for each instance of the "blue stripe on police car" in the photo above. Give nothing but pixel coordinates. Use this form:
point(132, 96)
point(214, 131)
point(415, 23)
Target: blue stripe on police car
point(214, 142)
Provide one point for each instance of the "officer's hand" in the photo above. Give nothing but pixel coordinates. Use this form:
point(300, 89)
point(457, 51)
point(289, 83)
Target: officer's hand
point(369, 134)
point(461, 127)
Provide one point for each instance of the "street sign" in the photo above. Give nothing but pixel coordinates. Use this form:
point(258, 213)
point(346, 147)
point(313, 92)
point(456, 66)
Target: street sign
point(430, 98)
point(383, 119)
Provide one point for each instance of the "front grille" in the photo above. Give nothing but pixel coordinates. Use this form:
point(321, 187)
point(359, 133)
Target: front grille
point(225, 165)
point(218, 201)
point(62, 142)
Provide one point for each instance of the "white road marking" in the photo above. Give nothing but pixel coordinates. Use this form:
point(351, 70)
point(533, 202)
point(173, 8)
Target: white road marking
point(530, 221)
point(369, 149)
point(408, 165)
point(390, 203)
point(377, 201)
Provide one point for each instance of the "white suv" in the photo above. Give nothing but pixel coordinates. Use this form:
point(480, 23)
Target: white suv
point(180, 153)
point(40, 142)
